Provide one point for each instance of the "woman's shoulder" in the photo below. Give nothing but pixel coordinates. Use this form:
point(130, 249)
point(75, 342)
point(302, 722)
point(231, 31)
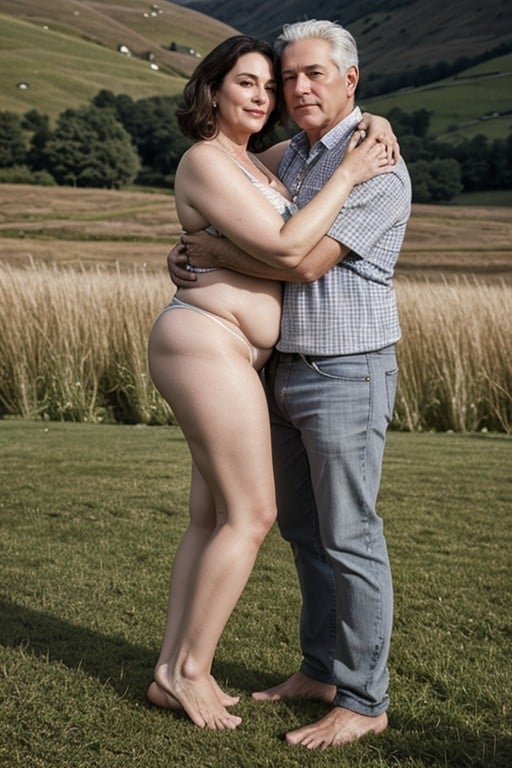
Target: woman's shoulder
point(202, 159)
point(203, 150)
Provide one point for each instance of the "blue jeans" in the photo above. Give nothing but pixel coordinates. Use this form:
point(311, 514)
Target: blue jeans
point(329, 417)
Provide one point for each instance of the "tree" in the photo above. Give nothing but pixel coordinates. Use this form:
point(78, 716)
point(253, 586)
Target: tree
point(445, 181)
point(435, 181)
point(153, 127)
point(39, 126)
point(90, 148)
point(13, 148)
point(416, 123)
point(35, 121)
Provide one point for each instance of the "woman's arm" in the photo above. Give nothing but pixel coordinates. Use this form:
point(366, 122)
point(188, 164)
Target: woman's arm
point(210, 184)
point(379, 128)
point(374, 126)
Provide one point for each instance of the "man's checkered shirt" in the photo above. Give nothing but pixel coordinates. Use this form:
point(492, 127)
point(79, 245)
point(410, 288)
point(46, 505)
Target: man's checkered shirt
point(352, 308)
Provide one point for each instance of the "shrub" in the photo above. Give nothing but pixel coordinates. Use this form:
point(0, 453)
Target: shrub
point(21, 174)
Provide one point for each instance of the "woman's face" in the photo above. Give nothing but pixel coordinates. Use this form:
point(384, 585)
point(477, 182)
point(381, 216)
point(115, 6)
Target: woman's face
point(247, 95)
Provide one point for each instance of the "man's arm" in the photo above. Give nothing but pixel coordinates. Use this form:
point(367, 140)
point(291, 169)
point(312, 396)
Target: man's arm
point(204, 250)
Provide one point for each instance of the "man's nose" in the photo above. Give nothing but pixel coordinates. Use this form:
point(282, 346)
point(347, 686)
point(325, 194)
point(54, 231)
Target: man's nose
point(301, 83)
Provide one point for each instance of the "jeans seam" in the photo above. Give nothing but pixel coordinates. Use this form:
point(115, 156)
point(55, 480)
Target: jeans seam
point(378, 619)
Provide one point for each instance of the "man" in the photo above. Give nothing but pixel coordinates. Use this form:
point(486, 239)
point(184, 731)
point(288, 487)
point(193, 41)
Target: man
point(331, 387)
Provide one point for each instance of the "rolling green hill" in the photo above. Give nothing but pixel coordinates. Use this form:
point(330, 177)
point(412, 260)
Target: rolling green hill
point(67, 50)
point(62, 71)
point(396, 36)
point(393, 35)
point(479, 100)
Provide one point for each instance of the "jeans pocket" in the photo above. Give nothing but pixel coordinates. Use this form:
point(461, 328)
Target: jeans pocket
point(340, 368)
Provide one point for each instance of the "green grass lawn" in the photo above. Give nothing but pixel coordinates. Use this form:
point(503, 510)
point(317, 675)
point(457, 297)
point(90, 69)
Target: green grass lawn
point(91, 515)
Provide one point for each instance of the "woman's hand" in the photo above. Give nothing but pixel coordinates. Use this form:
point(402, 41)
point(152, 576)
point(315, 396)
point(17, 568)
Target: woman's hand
point(380, 129)
point(365, 158)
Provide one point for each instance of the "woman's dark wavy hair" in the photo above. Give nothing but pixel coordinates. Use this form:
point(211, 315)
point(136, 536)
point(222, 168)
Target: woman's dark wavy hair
point(196, 115)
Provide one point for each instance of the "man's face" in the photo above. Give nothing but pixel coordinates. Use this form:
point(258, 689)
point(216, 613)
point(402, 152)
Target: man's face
point(317, 95)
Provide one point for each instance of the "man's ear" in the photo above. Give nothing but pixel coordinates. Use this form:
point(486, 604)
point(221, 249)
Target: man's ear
point(351, 80)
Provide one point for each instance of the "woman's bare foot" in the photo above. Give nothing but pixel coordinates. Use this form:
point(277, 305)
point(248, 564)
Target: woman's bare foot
point(199, 698)
point(298, 686)
point(340, 726)
point(160, 698)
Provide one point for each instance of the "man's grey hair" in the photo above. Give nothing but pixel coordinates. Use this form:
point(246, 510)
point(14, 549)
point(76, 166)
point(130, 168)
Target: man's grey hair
point(343, 46)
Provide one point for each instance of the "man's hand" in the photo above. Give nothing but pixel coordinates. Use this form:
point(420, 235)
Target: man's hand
point(177, 267)
point(203, 249)
point(196, 248)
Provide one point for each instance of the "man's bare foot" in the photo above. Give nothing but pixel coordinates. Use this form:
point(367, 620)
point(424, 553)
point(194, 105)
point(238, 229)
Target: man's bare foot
point(340, 726)
point(160, 698)
point(198, 697)
point(298, 686)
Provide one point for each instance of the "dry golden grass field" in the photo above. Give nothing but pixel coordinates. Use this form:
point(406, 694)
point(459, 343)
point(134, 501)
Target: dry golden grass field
point(83, 275)
point(79, 226)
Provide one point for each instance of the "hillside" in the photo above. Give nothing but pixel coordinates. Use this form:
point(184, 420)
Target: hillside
point(144, 27)
point(396, 36)
point(477, 101)
point(66, 50)
point(393, 35)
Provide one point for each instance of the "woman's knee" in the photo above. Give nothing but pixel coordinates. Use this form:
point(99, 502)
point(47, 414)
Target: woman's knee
point(253, 525)
point(263, 521)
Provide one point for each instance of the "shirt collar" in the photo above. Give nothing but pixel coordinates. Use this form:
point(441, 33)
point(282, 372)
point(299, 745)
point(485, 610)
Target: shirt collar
point(340, 133)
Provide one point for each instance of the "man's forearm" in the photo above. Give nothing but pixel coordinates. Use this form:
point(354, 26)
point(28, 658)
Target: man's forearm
point(229, 256)
point(320, 260)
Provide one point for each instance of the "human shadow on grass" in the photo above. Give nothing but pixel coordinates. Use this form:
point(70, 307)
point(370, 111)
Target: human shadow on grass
point(113, 660)
point(128, 668)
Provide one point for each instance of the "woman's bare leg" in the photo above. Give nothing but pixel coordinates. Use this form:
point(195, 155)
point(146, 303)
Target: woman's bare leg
point(202, 525)
point(219, 402)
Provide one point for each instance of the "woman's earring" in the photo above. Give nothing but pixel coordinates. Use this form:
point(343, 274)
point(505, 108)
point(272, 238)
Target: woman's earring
point(214, 104)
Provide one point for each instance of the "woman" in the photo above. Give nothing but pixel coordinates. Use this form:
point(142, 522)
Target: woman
point(206, 350)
